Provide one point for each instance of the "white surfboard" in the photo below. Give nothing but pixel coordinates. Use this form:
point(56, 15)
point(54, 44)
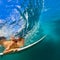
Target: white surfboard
point(30, 44)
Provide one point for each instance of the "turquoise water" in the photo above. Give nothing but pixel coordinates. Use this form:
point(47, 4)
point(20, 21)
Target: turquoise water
point(22, 19)
point(51, 24)
point(32, 19)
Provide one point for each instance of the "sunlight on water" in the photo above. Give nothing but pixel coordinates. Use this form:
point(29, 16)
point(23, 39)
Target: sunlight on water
point(21, 19)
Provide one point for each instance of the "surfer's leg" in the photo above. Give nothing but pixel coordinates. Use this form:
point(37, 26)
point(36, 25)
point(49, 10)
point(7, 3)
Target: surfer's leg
point(11, 50)
point(7, 51)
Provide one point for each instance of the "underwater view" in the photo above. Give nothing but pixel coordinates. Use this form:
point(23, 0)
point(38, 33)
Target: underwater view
point(21, 18)
point(33, 23)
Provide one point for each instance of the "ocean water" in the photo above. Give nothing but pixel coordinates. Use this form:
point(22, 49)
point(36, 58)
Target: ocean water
point(50, 21)
point(21, 18)
point(32, 19)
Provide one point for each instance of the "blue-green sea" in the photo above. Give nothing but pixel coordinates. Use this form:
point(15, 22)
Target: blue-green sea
point(32, 19)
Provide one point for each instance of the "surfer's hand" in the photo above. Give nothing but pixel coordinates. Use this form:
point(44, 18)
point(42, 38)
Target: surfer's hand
point(16, 49)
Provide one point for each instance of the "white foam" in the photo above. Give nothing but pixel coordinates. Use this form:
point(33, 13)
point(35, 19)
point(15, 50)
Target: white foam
point(1, 53)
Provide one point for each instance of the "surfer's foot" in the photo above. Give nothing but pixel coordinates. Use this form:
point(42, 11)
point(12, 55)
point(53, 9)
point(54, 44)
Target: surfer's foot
point(16, 49)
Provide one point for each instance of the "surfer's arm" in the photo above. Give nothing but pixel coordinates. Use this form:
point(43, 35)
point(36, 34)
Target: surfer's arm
point(9, 46)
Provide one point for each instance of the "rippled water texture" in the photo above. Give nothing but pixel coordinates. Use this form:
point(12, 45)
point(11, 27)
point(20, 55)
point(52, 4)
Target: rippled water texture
point(21, 18)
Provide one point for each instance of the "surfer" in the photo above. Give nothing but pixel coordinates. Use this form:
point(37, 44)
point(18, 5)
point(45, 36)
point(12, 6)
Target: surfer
point(11, 45)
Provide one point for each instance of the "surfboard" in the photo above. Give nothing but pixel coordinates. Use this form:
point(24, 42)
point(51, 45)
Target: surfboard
point(20, 49)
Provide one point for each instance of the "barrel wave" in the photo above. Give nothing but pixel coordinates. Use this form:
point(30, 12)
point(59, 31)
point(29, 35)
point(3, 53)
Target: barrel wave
point(21, 18)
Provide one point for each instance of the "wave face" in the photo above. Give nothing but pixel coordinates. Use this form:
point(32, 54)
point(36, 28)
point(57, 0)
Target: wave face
point(21, 18)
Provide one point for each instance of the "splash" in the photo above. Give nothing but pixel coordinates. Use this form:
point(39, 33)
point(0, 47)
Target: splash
point(22, 19)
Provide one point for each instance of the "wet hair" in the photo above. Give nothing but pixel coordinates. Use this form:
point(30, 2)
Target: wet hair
point(20, 38)
point(2, 38)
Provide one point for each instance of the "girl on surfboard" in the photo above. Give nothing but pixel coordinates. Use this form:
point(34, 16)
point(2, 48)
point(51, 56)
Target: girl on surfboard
point(11, 45)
